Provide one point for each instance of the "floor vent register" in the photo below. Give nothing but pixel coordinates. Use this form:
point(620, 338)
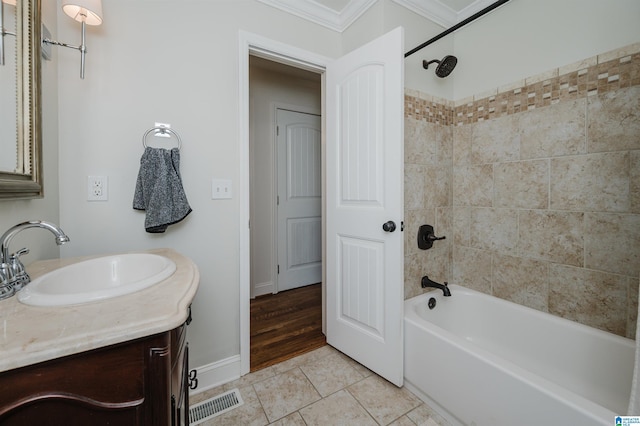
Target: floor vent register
point(215, 406)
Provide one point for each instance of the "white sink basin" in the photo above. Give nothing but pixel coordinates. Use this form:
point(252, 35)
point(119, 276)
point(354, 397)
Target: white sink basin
point(97, 279)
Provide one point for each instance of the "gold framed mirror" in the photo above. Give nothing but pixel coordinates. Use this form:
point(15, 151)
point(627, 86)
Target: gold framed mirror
point(26, 180)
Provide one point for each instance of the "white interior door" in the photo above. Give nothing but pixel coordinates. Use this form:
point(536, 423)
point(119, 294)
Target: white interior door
point(365, 175)
point(299, 199)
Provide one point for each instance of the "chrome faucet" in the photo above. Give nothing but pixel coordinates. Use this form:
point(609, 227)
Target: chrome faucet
point(426, 282)
point(13, 276)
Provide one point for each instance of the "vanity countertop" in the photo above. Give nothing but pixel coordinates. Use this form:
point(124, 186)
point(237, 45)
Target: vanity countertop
point(32, 334)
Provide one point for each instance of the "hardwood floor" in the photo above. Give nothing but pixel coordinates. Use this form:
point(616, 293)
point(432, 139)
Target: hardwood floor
point(285, 325)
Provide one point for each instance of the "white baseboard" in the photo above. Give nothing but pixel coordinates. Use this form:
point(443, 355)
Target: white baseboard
point(217, 373)
point(263, 288)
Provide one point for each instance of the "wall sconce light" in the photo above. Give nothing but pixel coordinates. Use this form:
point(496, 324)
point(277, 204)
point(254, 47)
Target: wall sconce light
point(88, 12)
point(4, 32)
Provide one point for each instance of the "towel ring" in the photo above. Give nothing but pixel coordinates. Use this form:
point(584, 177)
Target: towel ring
point(162, 130)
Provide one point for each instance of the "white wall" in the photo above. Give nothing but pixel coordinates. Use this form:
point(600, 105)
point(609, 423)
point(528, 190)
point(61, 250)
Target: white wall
point(386, 15)
point(270, 87)
point(41, 243)
point(173, 62)
point(527, 37)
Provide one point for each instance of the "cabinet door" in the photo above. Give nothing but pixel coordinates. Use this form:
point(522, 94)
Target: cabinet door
point(100, 387)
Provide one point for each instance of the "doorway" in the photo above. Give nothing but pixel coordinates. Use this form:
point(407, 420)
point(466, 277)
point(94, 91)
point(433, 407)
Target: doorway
point(379, 64)
point(285, 206)
point(299, 200)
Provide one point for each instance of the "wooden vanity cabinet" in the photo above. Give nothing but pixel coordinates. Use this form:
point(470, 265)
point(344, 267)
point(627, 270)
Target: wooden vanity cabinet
point(140, 382)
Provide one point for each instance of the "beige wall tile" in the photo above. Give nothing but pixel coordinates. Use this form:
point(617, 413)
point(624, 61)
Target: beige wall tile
point(634, 184)
point(496, 140)
point(494, 229)
point(464, 101)
point(589, 297)
point(518, 84)
point(462, 145)
point(594, 182)
point(414, 178)
point(554, 130)
point(472, 268)
point(542, 76)
point(614, 120)
point(444, 228)
point(462, 226)
point(444, 223)
point(522, 184)
point(612, 243)
point(591, 148)
point(579, 65)
point(551, 235)
point(413, 264)
point(522, 281)
point(437, 186)
point(487, 93)
point(473, 186)
point(619, 53)
point(420, 141)
point(444, 145)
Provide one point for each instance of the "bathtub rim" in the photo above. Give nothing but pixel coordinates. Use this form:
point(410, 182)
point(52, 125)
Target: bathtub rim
point(411, 302)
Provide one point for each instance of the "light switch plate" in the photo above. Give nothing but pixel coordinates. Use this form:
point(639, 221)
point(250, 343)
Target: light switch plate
point(221, 189)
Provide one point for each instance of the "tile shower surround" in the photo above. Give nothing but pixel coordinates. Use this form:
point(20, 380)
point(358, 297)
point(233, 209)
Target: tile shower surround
point(537, 187)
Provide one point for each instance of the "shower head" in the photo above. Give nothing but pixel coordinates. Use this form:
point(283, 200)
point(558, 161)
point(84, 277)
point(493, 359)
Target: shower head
point(445, 66)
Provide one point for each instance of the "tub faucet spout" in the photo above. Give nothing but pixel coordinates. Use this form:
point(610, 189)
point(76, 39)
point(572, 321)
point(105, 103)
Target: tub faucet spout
point(426, 282)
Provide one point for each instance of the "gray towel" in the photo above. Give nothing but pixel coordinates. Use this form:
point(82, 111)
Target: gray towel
point(159, 189)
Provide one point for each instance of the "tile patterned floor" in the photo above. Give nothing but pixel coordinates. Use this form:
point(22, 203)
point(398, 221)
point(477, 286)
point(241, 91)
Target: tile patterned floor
point(322, 387)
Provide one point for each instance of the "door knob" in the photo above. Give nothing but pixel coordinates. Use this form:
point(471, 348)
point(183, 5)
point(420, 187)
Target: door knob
point(389, 226)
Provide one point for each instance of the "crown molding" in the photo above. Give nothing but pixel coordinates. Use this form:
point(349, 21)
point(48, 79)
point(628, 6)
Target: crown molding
point(322, 15)
point(440, 13)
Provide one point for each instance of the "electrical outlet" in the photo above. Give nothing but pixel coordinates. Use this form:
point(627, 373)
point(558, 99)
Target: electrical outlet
point(97, 188)
point(221, 189)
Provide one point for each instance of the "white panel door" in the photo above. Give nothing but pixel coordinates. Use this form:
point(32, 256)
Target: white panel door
point(365, 175)
point(299, 200)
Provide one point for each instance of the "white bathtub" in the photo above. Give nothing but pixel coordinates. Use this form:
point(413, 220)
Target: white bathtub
point(480, 360)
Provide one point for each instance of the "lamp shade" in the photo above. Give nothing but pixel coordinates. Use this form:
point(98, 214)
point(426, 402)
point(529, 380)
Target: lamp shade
point(11, 2)
point(87, 11)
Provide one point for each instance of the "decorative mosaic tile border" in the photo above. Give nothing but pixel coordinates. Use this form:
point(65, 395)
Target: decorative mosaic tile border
point(432, 111)
point(596, 75)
